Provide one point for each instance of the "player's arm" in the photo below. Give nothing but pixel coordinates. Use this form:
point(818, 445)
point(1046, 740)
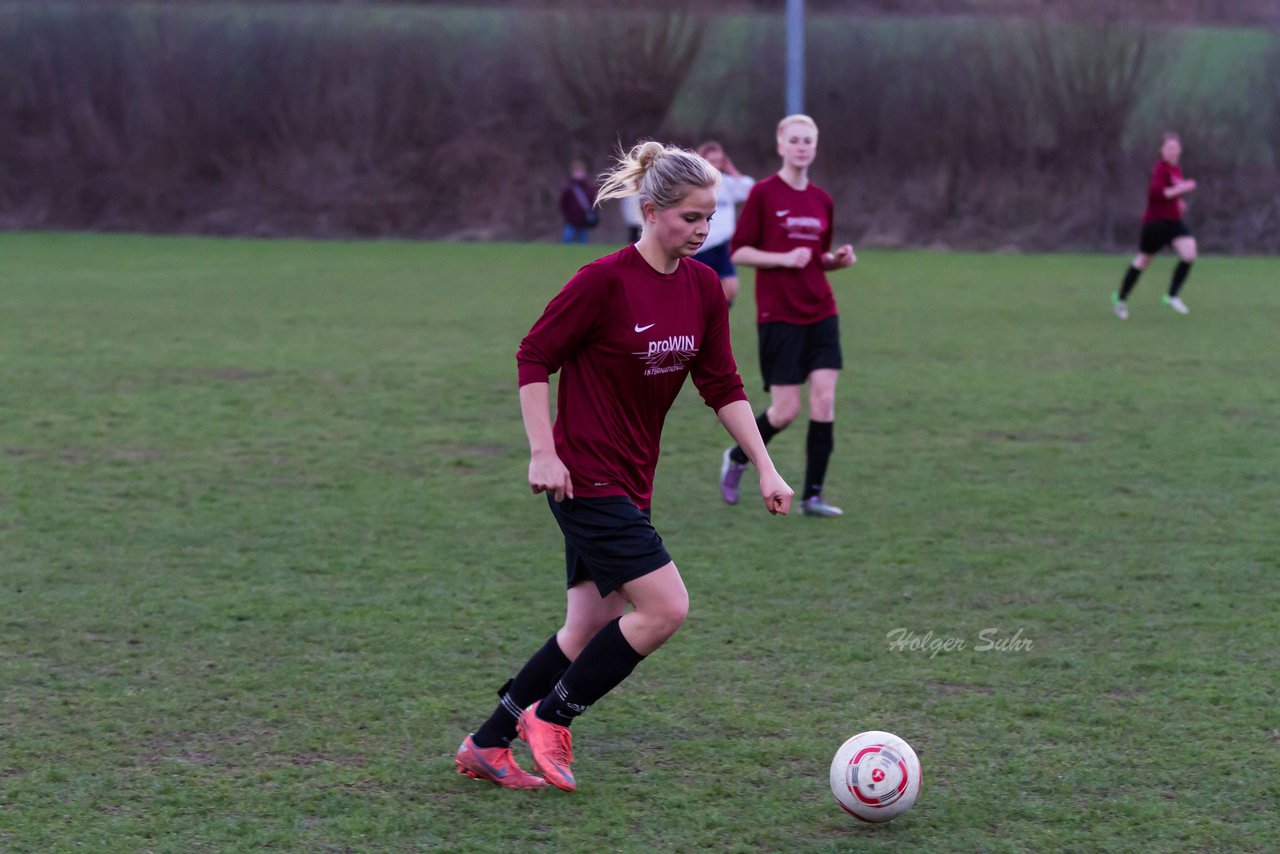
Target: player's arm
point(839, 259)
point(750, 233)
point(749, 256)
point(1178, 188)
point(740, 423)
point(565, 324)
point(546, 472)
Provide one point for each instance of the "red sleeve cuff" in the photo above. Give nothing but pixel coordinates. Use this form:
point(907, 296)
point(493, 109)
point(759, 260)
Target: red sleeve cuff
point(732, 397)
point(532, 372)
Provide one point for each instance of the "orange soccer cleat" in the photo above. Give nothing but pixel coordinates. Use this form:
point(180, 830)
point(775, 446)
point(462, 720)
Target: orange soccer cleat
point(551, 745)
point(496, 765)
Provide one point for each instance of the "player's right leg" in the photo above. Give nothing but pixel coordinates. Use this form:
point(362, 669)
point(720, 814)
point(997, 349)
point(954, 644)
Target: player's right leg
point(783, 409)
point(1120, 299)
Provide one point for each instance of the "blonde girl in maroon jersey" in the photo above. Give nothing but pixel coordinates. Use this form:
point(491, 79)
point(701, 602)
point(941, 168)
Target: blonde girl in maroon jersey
point(1162, 226)
point(624, 333)
point(785, 232)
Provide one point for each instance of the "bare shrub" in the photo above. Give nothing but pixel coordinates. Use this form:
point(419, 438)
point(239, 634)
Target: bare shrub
point(328, 120)
point(1087, 82)
point(616, 70)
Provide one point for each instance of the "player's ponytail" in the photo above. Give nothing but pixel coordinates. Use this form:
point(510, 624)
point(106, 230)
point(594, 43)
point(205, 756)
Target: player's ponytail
point(662, 174)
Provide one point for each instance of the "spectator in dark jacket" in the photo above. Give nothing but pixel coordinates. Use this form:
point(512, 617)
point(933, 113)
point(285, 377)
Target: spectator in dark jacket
point(577, 204)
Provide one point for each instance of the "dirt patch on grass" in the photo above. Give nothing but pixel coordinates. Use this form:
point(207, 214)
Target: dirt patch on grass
point(941, 688)
point(139, 455)
point(235, 375)
point(1038, 438)
point(461, 450)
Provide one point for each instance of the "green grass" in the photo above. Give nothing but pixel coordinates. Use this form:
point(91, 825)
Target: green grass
point(266, 552)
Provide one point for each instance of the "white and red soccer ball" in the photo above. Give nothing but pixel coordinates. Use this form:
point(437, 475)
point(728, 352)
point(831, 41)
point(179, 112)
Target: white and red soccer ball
point(875, 776)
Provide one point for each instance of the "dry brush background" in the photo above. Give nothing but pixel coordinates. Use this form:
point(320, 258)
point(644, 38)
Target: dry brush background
point(943, 123)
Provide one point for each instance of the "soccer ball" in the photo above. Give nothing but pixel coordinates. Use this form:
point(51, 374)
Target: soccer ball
point(875, 776)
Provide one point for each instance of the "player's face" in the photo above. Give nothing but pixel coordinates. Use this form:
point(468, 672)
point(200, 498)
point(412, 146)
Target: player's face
point(682, 228)
point(1171, 151)
point(797, 145)
point(716, 158)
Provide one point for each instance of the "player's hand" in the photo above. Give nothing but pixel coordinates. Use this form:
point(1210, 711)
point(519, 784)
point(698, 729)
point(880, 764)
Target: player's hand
point(1190, 183)
point(843, 257)
point(798, 258)
point(777, 495)
point(548, 474)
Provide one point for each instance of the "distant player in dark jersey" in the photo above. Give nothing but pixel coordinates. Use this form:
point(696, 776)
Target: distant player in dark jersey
point(624, 333)
point(785, 231)
point(1162, 225)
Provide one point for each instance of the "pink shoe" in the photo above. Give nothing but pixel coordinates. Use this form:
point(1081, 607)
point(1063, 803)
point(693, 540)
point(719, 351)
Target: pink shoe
point(496, 765)
point(551, 746)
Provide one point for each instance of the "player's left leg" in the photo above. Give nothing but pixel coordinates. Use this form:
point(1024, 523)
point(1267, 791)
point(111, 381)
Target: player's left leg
point(659, 604)
point(820, 441)
point(585, 614)
point(1185, 246)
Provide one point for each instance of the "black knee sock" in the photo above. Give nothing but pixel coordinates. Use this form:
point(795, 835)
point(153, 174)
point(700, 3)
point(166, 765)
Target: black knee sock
point(601, 667)
point(532, 683)
point(767, 432)
point(818, 447)
point(1130, 279)
point(1179, 276)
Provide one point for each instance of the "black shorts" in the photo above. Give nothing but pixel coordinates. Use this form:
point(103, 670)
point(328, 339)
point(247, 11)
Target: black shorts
point(1159, 234)
point(607, 540)
point(789, 352)
point(717, 258)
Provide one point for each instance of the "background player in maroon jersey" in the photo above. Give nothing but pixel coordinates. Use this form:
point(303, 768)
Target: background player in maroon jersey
point(785, 231)
point(1161, 225)
point(624, 333)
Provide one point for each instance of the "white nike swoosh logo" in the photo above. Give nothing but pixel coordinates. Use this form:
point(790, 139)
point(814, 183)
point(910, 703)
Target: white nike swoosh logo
point(640, 328)
point(784, 213)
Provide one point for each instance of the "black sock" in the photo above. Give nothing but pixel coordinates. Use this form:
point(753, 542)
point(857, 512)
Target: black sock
point(1130, 279)
point(1179, 276)
point(767, 432)
point(532, 683)
point(818, 449)
point(601, 667)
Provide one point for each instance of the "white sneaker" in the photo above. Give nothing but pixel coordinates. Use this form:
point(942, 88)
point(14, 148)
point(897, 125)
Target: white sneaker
point(1121, 308)
point(815, 506)
point(1176, 304)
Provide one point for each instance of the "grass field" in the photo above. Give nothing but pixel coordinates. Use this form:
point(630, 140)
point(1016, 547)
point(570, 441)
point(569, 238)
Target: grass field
point(266, 552)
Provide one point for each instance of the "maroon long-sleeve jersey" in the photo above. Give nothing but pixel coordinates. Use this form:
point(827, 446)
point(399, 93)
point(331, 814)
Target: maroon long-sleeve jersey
point(624, 337)
point(778, 218)
point(1163, 176)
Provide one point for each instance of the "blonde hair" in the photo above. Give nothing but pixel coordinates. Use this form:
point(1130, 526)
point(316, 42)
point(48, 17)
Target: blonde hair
point(797, 119)
point(657, 173)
